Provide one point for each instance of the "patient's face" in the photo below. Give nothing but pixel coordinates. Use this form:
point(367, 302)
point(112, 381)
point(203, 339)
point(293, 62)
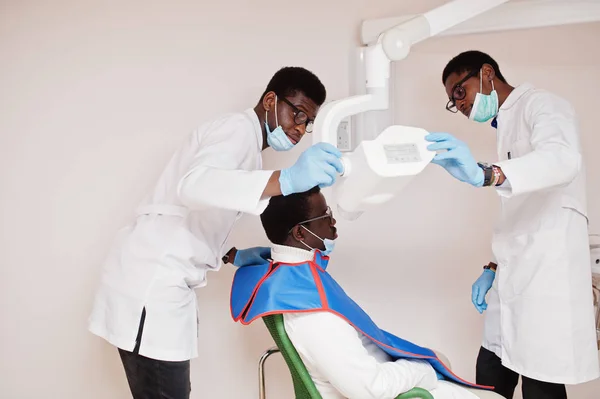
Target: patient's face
point(324, 227)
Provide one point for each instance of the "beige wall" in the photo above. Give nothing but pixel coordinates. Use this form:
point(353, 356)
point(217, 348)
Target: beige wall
point(94, 97)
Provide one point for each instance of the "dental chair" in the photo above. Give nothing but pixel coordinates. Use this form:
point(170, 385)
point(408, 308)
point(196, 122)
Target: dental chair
point(304, 387)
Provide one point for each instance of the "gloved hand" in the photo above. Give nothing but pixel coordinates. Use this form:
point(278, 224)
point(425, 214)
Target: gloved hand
point(480, 289)
point(319, 165)
point(252, 256)
point(458, 160)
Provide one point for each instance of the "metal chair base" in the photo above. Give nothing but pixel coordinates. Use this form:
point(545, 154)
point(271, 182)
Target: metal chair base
point(261, 371)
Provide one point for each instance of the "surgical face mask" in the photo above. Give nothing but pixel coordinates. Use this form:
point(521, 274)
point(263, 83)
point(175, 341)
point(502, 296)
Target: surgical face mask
point(329, 244)
point(277, 138)
point(485, 106)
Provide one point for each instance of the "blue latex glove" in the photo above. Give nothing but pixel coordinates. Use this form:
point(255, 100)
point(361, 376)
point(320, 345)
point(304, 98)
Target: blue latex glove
point(252, 256)
point(480, 289)
point(458, 160)
point(319, 165)
point(439, 375)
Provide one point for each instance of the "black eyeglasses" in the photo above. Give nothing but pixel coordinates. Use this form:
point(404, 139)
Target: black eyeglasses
point(328, 214)
point(300, 117)
point(459, 92)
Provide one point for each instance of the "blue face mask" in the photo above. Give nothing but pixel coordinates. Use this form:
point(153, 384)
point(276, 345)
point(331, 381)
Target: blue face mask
point(277, 139)
point(485, 106)
point(329, 244)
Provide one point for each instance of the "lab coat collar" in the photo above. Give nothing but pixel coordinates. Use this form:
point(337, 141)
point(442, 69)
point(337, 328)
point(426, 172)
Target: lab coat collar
point(515, 95)
point(257, 128)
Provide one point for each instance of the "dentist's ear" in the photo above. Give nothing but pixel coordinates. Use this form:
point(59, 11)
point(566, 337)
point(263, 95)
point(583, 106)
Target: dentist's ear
point(269, 100)
point(488, 72)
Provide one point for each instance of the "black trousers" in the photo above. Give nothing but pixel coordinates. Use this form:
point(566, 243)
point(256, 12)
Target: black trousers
point(155, 379)
point(490, 371)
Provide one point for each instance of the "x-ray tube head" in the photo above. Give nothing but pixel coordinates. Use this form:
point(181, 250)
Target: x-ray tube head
point(378, 169)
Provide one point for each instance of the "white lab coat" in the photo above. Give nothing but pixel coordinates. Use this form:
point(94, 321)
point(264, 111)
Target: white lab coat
point(343, 363)
point(177, 235)
point(540, 319)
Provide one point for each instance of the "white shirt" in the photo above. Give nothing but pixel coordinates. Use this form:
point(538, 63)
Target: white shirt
point(176, 236)
point(344, 363)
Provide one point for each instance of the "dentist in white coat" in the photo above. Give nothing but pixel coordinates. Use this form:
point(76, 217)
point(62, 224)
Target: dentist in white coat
point(146, 304)
point(539, 322)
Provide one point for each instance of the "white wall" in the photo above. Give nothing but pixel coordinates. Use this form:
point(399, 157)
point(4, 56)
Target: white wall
point(94, 97)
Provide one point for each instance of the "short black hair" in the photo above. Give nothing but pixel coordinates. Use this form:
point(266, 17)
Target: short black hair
point(285, 212)
point(290, 80)
point(469, 61)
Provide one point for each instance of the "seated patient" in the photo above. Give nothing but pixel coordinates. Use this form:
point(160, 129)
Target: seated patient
point(346, 354)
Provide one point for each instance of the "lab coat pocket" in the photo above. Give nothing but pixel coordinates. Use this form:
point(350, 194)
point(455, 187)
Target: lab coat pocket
point(520, 148)
point(187, 248)
point(189, 255)
point(537, 266)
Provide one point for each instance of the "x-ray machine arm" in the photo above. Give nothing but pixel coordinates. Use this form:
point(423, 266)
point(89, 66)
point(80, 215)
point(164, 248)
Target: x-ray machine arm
point(379, 168)
point(394, 45)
